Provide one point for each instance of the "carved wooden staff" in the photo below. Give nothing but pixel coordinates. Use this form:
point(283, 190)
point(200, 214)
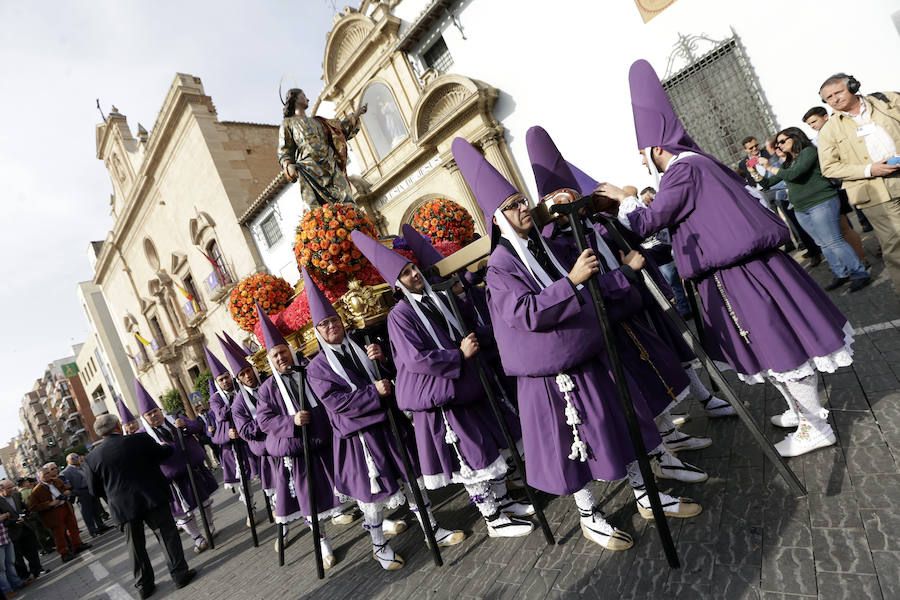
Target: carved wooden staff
point(634, 431)
point(495, 407)
point(715, 375)
point(237, 446)
point(193, 482)
point(389, 409)
point(310, 480)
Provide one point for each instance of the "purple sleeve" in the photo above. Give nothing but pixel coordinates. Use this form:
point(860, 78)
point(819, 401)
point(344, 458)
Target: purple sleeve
point(272, 421)
point(348, 411)
point(223, 420)
point(672, 204)
point(193, 425)
point(414, 350)
point(246, 425)
point(522, 308)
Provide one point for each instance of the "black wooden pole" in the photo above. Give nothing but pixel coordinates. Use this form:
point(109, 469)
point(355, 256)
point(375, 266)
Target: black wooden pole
point(193, 482)
point(634, 431)
point(310, 481)
point(389, 409)
point(237, 447)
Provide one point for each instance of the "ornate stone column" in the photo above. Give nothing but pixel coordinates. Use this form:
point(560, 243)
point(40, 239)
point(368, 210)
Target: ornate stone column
point(493, 146)
point(467, 197)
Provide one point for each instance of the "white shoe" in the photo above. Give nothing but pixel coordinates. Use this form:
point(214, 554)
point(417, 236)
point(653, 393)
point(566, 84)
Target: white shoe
point(391, 527)
point(787, 419)
point(716, 407)
point(515, 508)
point(598, 530)
point(386, 557)
point(679, 420)
point(445, 537)
point(343, 518)
point(503, 525)
point(676, 441)
point(666, 466)
point(680, 508)
point(804, 440)
point(328, 559)
point(200, 545)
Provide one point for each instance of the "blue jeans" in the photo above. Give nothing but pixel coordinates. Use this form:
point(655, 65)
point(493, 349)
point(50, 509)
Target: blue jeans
point(8, 577)
point(822, 222)
point(670, 273)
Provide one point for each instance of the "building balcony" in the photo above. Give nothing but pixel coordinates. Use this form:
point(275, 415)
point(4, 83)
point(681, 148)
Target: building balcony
point(220, 284)
point(194, 313)
point(98, 408)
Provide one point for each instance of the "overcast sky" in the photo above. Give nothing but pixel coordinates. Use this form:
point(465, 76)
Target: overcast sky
point(57, 59)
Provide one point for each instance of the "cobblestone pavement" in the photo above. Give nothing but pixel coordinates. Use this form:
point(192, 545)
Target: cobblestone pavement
point(753, 539)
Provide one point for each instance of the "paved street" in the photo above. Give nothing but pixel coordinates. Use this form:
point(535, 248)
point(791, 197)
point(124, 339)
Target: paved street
point(753, 540)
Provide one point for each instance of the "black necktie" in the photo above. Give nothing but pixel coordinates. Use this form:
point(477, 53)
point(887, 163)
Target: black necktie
point(164, 433)
point(252, 397)
point(292, 389)
point(540, 255)
point(351, 362)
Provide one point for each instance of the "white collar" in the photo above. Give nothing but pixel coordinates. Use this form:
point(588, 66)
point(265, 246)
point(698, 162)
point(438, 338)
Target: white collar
point(520, 245)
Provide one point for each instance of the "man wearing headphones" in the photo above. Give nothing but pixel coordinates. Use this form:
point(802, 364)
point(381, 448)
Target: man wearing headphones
point(860, 144)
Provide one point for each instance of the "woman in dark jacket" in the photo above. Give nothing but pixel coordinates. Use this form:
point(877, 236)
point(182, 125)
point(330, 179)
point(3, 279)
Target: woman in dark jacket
point(816, 203)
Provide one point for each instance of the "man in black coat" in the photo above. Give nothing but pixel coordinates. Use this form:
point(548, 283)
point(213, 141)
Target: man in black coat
point(75, 474)
point(23, 538)
point(125, 470)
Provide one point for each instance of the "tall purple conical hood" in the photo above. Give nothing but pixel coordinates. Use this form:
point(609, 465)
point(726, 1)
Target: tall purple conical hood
point(235, 357)
point(388, 262)
point(551, 171)
point(124, 414)
point(490, 188)
point(215, 365)
point(145, 401)
point(271, 336)
point(212, 387)
point(586, 183)
point(319, 306)
point(238, 346)
point(655, 121)
point(421, 247)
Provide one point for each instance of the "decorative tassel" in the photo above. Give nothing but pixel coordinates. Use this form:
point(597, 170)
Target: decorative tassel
point(371, 467)
point(290, 467)
point(579, 448)
point(452, 439)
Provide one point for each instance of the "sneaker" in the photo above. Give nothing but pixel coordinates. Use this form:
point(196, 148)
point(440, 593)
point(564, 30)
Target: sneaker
point(445, 537)
point(676, 441)
point(391, 527)
point(679, 508)
point(836, 283)
point(668, 467)
point(386, 557)
point(328, 559)
point(596, 529)
point(200, 545)
point(716, 407)
point(804, 440)
point(502, 525)
point(858, 284)
point(787, 419)
point(515, 508)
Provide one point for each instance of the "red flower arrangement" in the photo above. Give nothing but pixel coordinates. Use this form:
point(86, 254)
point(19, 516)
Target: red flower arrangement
point(280, 321)
point(323, 245)
point(444, 220)
point(272, 293)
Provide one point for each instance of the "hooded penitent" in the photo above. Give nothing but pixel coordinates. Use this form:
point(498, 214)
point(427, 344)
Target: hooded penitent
point(124, 414)
point(145, 401)
point(388, 262)
point(271, 336)
point(235, 357)
point(551, 171)
point(215, 365)
point(426, 253)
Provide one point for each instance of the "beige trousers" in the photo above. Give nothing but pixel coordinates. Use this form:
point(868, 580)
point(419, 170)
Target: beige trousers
point(885, 219)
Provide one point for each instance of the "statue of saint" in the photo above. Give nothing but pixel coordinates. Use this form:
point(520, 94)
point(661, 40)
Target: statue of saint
point(313, 150)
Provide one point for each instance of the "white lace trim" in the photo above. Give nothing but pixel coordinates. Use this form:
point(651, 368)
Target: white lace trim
point(495, 470)
point(842, 357)
point(288, 518)
point(395, 500)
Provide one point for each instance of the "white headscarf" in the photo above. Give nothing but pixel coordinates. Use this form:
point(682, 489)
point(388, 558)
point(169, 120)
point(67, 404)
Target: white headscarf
point(414, 302)
point(348, 345)
point(520, 245)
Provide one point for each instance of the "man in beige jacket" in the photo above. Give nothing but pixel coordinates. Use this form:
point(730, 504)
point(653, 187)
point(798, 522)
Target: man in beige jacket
point(855, 146)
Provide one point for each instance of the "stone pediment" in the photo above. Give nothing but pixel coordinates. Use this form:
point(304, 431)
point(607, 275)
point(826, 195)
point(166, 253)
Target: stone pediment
point(345, 39)
point(446, 97)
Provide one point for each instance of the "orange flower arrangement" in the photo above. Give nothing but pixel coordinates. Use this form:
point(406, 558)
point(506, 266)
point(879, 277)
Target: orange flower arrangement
point(444, 220)
point(272, 293)
point(323, 245)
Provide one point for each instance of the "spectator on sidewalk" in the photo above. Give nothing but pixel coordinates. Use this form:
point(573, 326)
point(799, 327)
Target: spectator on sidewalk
point(49, 499)
point(77, 478)
point(24, 540)
point(9, 580)
point(816, 204)
point(855, 146)
point(125, 470)
point(783, 205)
point(44, 535)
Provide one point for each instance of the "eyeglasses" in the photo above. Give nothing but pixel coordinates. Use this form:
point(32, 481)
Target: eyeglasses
point(781, 141)
point(753, 147)
point(515, 205)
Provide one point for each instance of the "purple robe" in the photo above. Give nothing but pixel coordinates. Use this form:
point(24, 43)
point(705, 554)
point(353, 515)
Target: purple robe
point(283, 440)
point(436, 381)
point(360, 413)
point(541, 333)
point(221, 410)
point(720, 232)
point(248, 428)
point(175, 470)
